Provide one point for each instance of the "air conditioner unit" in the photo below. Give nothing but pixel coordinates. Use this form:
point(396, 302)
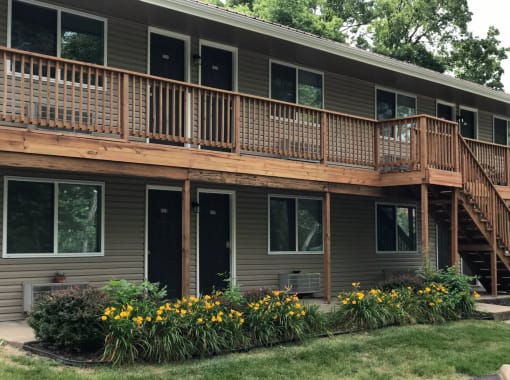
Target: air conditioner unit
point(301, 283)
point(32, 292)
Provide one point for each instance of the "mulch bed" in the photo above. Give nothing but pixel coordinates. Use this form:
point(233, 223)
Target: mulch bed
point(79, 359)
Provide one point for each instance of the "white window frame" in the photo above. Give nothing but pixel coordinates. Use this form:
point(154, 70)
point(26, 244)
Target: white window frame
point(296, 199)
point(396, 93)
point(504, 118)
point(296, 68)
point(396, 205)
point(59, 10)
point(475, 110)
point(178, 36)
point(235, 59)
point(452, 105)
point(55, 183)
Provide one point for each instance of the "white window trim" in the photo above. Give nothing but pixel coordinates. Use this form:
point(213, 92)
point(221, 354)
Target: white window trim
point(297, 68)
point(55, 253)
point(452, 105)
point(296, 199)
point(475, 110)
point(396, 93)
point(235, 59)
point(396, 205)
point(505, 118)
point(233, 234)
point(59, 10)
point(167, 33)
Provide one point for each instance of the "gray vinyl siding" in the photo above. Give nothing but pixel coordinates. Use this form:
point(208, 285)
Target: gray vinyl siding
point(426, 105)
point(485, 128)
point(3, 22)
point(253, 73)
point(127, 45)
point(124, 247)
point(353, 245)
point(349, 95)
point(255, 268)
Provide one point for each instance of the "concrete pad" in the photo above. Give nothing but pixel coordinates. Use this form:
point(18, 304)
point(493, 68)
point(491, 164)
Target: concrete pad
point(499, 312)
point(16, 333)
point(504, 372)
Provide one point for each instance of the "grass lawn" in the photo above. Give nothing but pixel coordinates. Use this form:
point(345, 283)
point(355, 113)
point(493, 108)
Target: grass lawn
point(458, 350)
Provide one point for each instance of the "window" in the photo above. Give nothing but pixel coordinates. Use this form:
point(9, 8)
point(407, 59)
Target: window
point(55, 31)
point(396, 228)
point(467, 122)
point(46, 218)
point(296, 85)
point(392, 105)
point(295, 225)
point(445, 111)
point(501, 131)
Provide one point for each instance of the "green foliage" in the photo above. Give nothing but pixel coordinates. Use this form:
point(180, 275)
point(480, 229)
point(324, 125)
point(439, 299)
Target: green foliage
point(402, 281)
point(69, 319)
point(479, 59)
point(202, 326)
point(440, 296)
point(122, 292)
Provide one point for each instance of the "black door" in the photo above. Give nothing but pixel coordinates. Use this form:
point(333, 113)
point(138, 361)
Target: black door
point(444, 257)
point(164, 239)
point(217, 68)
point(167, 57)
point(214, 241)
point(166, 60)
point(467, 123)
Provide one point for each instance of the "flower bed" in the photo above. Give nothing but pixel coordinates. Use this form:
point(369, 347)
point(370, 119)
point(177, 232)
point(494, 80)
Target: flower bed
point(137, 324)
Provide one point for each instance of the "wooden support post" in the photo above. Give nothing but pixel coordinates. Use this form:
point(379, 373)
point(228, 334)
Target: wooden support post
point(376, 145)
point(425, 223)
point(237, 124)
point(124, 106)
point(494, 253)
point(455, 229)
point(327, 245)
point(423, 146)
point(186, 225)
point(507, 166)
point(455, 147)
point(324, 138)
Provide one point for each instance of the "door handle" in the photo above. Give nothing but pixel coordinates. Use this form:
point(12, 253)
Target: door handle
point(227, 245)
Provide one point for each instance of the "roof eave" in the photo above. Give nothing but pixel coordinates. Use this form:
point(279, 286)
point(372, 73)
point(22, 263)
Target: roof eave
point(273, 30)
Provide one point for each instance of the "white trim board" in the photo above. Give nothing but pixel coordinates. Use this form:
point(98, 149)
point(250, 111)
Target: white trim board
point(237, 20)
point(233, 234)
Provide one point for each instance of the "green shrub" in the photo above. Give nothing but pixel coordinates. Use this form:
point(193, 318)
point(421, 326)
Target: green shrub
point(69, 320)
point(146, 294)
point(275, 317)
point(406, 280)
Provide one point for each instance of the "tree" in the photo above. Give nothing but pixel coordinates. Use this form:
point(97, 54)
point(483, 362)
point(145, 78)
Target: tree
point(479, 59)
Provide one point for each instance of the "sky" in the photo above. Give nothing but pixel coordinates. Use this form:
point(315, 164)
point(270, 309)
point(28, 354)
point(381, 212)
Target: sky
point(493, 12)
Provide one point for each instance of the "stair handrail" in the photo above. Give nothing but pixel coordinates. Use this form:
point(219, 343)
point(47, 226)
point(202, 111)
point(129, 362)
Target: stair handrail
point(500, 223)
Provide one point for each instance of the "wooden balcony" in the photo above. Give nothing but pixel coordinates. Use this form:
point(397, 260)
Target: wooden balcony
point(115, 112)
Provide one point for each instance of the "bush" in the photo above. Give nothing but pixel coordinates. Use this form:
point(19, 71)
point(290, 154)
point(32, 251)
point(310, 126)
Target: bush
point(203, 326)
point(145, 296)
point(69, 319)
point(403, 281)
point(436, 297)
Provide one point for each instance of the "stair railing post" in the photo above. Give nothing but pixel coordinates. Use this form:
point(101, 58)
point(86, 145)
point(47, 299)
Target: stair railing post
point(494, 244)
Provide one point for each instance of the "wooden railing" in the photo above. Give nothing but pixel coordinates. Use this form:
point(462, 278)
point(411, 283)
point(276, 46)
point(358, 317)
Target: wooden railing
point(479, 187)
point(494, 159)
point(61, 94)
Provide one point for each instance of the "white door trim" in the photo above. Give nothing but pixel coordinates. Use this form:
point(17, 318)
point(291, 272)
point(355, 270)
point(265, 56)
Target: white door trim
point(146, 253)
point(232, 49)
point(233, 244)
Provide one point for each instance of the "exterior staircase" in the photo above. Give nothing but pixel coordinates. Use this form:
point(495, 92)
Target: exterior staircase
point(483, 222)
